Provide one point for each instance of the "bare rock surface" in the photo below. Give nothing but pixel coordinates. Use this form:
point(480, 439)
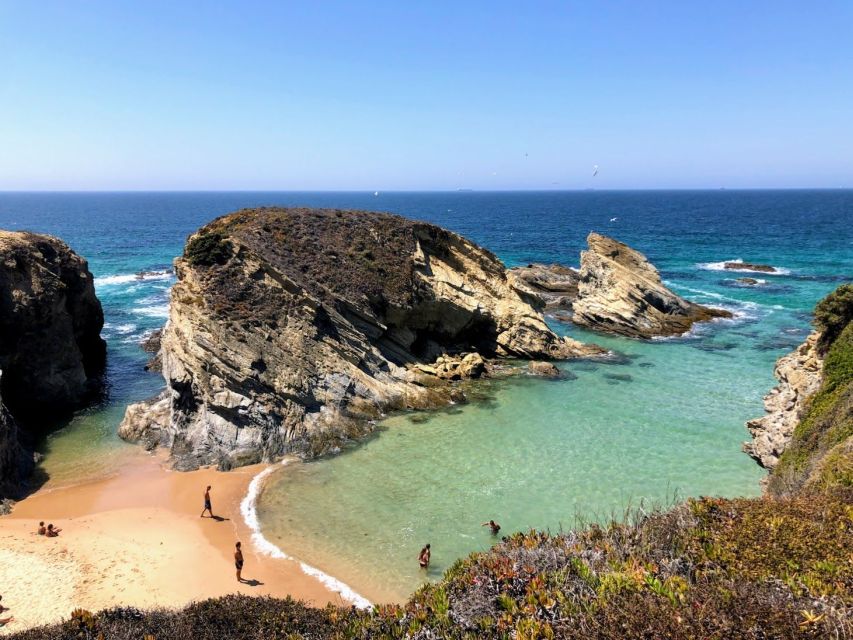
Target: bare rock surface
point(799, 376)
point(749, 266)
point(293, 329)
point(621, 292)
point(548, 286)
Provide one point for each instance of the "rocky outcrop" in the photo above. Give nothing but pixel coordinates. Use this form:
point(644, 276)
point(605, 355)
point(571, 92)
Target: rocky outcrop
point(621, 292)
point(151, 344)
point(549, 287)
point(51, 352)
point(291, 329)
point(749, 266)
point(15, 461)
point(799, 376)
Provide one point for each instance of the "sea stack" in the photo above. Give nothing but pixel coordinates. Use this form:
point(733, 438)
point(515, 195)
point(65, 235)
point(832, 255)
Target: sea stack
point(292, 329)
point(621, 292)
point(51, 352)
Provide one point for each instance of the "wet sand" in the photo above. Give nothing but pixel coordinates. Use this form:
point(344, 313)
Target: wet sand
point(137, 539)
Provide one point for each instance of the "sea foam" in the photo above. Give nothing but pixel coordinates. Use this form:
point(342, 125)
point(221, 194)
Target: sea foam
point(248, 509)
point(126, 278)
point(721, 266)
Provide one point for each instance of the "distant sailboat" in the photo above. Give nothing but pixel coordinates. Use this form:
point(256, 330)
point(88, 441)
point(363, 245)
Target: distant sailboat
point(376, 193)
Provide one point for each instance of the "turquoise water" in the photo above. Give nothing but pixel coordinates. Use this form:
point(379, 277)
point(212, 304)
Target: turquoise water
point(666, 423)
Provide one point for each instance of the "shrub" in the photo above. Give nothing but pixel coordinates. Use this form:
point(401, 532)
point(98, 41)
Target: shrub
point(207, 249)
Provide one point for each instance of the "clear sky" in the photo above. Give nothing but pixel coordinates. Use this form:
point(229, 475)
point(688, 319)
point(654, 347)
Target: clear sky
point(425, 95)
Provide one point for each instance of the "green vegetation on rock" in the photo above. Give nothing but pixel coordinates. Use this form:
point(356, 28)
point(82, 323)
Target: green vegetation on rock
point(207, 249)
point(819, 455)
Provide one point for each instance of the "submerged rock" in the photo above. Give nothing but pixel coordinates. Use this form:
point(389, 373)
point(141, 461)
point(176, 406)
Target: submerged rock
point(551, 287)
point(749, 266)
point(293, 329)
point(748, 281)
point(621, 292)
point(543, 369)
point(799, 376)
point(51, 352)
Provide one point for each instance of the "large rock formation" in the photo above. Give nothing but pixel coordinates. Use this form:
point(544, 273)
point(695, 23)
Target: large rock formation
point(293, 328)
point(51, 351)
point(799, 376)
point(620, 291)
point(15, 461)
point(552, 287)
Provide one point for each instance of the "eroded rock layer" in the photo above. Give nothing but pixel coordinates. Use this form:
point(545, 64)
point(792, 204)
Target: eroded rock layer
point(621, 292)
point(293, 328)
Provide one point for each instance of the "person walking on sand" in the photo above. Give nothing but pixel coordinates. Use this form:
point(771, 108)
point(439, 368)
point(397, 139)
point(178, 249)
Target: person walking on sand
point(207, 503)
point(494, 526)
point(238, 562)
point(423, 558)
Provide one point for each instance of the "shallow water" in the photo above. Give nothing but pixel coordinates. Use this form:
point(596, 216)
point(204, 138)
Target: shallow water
point(530, 453)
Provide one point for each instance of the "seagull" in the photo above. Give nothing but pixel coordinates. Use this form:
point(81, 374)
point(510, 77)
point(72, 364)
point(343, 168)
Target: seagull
point(595, 171)
point(613, 219)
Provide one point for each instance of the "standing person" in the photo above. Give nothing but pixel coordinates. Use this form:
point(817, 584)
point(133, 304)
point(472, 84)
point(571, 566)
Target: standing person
point(423, 558)
point(207, 503)
point(494, 526)
point(238, 562)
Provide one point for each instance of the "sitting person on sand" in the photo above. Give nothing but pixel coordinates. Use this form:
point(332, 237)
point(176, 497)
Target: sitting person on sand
point(494, 526)
point(238, 562)
point(41, 530)
point(51, 531)
point(423, 558)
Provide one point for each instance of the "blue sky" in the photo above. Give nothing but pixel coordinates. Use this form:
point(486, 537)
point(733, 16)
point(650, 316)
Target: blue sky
point(427, 95)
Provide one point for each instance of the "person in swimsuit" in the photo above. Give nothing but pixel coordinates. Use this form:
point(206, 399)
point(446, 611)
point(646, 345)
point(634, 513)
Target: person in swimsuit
point(41, 530)
point(423, 558)
point(51, 532)
point(238, 562)
point(207, 503)
point(494, 526)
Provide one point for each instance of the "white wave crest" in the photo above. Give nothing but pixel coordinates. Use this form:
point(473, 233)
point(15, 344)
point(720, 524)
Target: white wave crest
point(154, 311)
point(248, 509)
point(126, 278)
point(721, 266)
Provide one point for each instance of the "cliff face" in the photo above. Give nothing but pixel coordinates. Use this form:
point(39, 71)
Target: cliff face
point(621, 292)
point(295, 325)
point(799, 376)
point(50, 346)
point(806, 440)
point(50, 324)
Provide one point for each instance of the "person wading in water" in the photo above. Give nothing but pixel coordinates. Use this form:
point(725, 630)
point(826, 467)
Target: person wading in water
point(423, 558)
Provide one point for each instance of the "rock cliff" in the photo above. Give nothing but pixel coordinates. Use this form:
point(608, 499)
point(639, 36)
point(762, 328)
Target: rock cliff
point(620, 291)
point(51, 352)
point(799, 376)
point(291, 329)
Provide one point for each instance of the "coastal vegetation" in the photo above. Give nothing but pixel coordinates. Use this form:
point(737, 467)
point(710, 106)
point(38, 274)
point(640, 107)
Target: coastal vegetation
point(780, 566)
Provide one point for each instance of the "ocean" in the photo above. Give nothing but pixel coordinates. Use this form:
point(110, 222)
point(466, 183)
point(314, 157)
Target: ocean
point(662, 423)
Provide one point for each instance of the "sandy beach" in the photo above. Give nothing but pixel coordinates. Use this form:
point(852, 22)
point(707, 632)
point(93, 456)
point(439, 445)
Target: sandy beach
point(137, 539)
